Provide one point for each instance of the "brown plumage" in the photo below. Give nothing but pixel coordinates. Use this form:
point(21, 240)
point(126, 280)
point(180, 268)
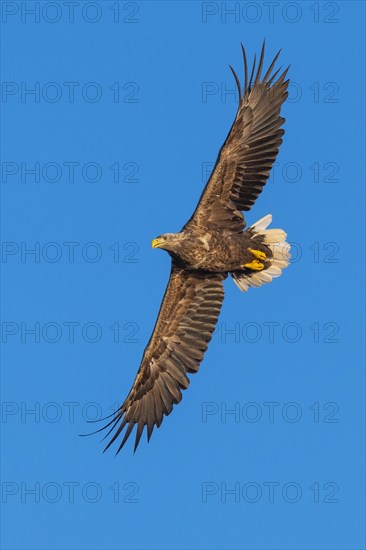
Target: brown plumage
point(210, 246)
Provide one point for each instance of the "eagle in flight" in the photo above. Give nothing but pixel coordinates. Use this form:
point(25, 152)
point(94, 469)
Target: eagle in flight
point(212, 245)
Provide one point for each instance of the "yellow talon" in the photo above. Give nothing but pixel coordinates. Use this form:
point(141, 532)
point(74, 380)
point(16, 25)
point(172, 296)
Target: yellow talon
point(255, 265)
point(258, 254)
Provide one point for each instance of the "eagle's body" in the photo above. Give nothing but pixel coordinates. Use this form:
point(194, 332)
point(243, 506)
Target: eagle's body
point(213, 244)
point(217, 251)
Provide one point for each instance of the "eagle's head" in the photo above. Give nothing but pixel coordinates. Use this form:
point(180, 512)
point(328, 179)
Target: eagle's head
point(168, 241)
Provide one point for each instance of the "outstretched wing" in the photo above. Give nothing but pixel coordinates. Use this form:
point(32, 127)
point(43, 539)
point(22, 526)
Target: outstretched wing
point(246, 158)
point(184, 327)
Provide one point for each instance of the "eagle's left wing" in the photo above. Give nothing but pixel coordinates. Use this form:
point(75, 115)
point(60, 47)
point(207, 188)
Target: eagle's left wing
point(184, 327)
point(247, 156)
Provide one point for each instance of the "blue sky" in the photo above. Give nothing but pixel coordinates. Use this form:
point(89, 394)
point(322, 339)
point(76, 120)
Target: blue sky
point(130, 104)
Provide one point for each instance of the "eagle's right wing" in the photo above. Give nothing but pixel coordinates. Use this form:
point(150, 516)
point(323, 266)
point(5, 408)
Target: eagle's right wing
point(184, 327)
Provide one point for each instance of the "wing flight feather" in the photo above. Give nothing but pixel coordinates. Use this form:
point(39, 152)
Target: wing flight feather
point(247, 156)
point(186, 321)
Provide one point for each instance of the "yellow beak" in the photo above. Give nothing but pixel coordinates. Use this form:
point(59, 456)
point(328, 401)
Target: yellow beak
point(156, 243)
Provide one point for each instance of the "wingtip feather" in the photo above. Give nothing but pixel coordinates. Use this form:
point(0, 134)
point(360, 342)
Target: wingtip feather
point(237, 82)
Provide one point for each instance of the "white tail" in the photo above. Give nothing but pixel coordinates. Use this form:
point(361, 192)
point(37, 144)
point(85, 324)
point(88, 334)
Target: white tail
point(275, 239)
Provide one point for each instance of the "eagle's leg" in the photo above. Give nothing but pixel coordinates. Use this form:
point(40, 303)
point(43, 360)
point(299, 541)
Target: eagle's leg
point(255, 265)
point(258, 254)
